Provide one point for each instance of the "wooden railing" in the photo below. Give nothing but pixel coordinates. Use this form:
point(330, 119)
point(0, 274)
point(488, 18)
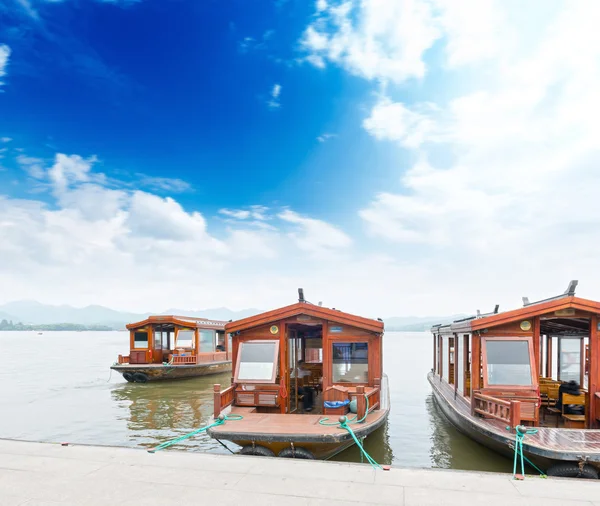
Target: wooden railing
point(217, 356)
point(123, 359)
point(257, 395)
point(183, 359)
point(222, 398)
point(508, 412)
point(373, 397)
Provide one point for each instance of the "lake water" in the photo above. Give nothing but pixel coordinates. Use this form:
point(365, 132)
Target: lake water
point(58, 387)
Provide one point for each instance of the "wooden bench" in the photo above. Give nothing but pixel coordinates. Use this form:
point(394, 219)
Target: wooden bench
point(573, 421)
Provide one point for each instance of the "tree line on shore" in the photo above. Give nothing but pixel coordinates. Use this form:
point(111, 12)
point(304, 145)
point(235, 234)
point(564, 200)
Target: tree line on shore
point(9, 325)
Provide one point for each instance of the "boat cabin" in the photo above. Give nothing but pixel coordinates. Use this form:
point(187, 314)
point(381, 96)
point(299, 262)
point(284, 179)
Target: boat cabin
point(511, 365)
point(176, 340)
point(303, 358)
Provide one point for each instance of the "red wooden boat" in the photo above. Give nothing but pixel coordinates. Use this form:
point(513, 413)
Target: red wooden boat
point(494, 372)
point(294, 367)
point(174, 347)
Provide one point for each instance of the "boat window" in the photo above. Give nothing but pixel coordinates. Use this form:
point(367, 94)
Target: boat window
point(157, 339)
point(508, 363)
point(350, 363)
point(313, 352)
point(207, 341)
point(257, 362)
point(140, 340)
point(185, 339)
point(569, 352)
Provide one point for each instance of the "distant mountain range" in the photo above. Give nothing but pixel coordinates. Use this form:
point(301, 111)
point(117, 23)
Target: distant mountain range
point(34, 313)
point(31, 312)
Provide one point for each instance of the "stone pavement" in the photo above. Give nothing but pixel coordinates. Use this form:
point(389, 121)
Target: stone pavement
point(39, 474)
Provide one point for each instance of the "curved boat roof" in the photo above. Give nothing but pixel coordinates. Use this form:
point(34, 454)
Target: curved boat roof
point(183, 321)
point(553, 305)
point(305, 308)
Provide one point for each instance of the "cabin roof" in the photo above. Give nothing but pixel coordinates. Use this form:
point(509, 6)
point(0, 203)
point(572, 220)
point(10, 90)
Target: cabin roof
point(184, 321)
point(308, 309)
point(529, 310)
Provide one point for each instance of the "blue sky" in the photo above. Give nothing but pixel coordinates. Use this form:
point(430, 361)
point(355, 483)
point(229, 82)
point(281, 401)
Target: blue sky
point(184, 90)
point(382, 154)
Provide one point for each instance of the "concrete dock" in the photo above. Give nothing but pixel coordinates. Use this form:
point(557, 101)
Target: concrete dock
point(38, 474)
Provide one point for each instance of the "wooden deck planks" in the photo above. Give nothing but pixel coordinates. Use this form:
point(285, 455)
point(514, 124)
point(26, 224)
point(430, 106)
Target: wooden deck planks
point(276, 423)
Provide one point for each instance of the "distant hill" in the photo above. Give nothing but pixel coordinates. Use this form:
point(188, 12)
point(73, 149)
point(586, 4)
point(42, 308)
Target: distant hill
point(417, 323)
point(30, 312)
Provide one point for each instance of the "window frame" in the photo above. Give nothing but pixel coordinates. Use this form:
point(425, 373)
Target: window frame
point(484, 363)
point(213, 340)
point(343, 340)
point(194, 335)
point(239, 361)
point(145, 331)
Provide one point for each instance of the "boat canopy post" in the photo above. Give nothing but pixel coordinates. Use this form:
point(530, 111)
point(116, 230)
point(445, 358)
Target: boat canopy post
point(594, 372)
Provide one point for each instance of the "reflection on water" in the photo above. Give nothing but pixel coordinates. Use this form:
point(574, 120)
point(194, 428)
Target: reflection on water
point(65, 392)
point(168, 409)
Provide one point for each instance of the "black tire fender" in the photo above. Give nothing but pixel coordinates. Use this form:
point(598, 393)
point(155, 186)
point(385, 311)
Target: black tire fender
point(572, 470)
point(296, 453)
point(128, 376)
point(261, 451)
point(140, 377)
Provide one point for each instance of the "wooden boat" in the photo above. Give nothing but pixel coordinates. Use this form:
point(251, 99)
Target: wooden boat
point(493, 372)
point(174, 347)
point(293, 366)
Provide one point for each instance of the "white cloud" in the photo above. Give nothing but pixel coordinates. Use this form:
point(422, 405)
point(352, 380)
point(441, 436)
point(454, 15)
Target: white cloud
point(377, 39)
point(174, 185)
point(5, 139)
point(274, 102)
point(33, 166)
point(315, 236)
point(325, 137)
point(4, 57)
point(238, 214)
point(512, 191)
point(321, 5)
point(394, 121)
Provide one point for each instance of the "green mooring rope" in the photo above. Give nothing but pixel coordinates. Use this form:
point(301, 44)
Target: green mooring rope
point(219, 421)
point(345, 423)
point(520, 433)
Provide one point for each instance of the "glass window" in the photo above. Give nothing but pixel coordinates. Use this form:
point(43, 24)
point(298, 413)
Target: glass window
point(350, 363)
point(220, 341)
point(140, 339)
point(185, 339)
point(508, 362)
point(257, 362)
point(207, 341)
point(570, 359)
point(157, 339)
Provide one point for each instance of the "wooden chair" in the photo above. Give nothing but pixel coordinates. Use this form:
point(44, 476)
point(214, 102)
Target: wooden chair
point(552, 399)
point(573, 421)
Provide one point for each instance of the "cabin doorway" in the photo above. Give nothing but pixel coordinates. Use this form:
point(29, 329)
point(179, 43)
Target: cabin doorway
point(305, 367)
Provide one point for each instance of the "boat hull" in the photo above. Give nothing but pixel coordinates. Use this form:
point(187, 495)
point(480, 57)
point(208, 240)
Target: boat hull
point(158, 372)
point(282, 431)
point(475, 428)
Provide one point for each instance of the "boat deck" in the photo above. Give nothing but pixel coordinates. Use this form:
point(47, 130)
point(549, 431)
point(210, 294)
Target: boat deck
point(294, 427)
point(548, 441)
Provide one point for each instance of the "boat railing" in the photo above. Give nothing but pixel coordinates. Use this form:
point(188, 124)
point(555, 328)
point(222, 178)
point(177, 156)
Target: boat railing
point(183, 359)
point(486, 406)
point(217, 356)
point(123, 359)
point(362, 396)
point(222, 398)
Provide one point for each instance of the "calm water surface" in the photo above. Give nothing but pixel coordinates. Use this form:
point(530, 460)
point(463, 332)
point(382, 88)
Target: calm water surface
point(58, 387)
